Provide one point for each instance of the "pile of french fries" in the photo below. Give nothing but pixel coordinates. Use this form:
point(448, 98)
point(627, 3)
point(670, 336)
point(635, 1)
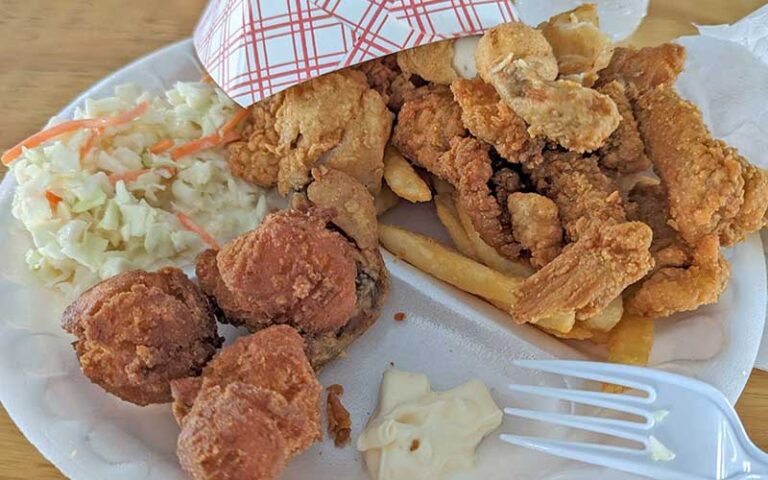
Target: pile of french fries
point(477, 268)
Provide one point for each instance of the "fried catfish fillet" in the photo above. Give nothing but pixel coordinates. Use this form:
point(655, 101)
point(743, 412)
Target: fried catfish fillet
point(624, 151)
point(645, 68)
point(588, 275)
point(712, 189)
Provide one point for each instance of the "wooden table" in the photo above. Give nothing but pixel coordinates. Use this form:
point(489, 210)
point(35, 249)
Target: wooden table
point(52, 50)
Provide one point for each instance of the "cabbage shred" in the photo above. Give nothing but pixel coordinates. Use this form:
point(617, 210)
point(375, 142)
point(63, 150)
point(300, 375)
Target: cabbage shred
point(99, 229)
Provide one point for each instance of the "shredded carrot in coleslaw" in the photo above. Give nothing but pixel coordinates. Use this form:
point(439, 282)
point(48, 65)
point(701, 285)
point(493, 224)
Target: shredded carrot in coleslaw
point(204, 143)
point(133, 175)
point(161, 146)
point(71, 126)
point(206, 237)
point(53, 200)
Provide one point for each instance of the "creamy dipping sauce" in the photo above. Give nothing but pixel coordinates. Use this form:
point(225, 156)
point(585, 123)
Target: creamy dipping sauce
point(422, 434)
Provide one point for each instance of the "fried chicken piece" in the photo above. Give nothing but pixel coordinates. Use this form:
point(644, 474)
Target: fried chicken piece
point(536, 226)
point(513, 58)
point(645, 68)
point(336, 119)
point(137, 331)
point(433, 62)
point(426, 124)
point(580, 47)
point(624, 151)
point(236, 433)
point(491, 120)
point(588, 275)
point(704, 177)
point(354, 205)
point(470, 161)
point(293, 269)
point(678, 289)
point(257, 159)
point(385, 76)
point(584, 195)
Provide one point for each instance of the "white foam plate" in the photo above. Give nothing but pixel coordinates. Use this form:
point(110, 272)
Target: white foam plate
point(449, 335)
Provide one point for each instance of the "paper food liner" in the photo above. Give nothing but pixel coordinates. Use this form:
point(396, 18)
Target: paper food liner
point(255, 48)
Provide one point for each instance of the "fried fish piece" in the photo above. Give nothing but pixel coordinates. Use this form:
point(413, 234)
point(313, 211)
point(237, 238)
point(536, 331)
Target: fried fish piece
point(679, 289)
point(491, 120)
point(519, 63)
point(580, 47)
point(624, 151)
point(584, 195)
point(536, 226)
point(433, 62)
point(705, 179)
point(588, 275)
point(645, 68)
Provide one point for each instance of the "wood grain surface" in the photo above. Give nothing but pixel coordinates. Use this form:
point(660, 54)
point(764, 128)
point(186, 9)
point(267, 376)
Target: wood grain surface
point(50, 51)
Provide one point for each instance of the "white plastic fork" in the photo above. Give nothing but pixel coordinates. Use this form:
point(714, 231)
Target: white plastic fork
point(703, 436)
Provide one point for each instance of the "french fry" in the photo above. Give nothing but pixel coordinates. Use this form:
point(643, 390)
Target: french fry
point(401, 177)
point(451, 267)
point(577, 332)
point(630, 343)
point(385, 200)
point(441, 186)
point(607, 318)
point(449, 217)
point(487, 254)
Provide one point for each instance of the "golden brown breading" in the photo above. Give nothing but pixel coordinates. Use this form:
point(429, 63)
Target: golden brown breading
point(272, 359)
point(624, 151)
point(648, 204)
point(588, 275)
point(519, 63)
point(426, 124)
point(432, 62)
point(679, 289)
point(336, 117)
point(506, 43)
point(470, 160)
point(384, 76)
point(353, 204)
point(644, 68)
point(139, 330)
point(536, 226)
point(580, 47)
point(236, 432)
point(584, 195)
point(751, 216)
point(703, 176)
point(491, 120)
point(257, 159)
point(291, 269)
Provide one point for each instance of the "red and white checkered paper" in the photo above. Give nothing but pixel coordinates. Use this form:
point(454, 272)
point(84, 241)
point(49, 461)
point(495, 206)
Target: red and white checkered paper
point(255, 48)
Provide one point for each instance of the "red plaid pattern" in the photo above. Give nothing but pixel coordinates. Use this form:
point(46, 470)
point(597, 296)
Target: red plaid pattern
point(256, 48)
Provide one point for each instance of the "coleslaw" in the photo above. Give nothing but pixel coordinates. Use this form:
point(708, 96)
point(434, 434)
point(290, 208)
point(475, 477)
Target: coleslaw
point(140, 194)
